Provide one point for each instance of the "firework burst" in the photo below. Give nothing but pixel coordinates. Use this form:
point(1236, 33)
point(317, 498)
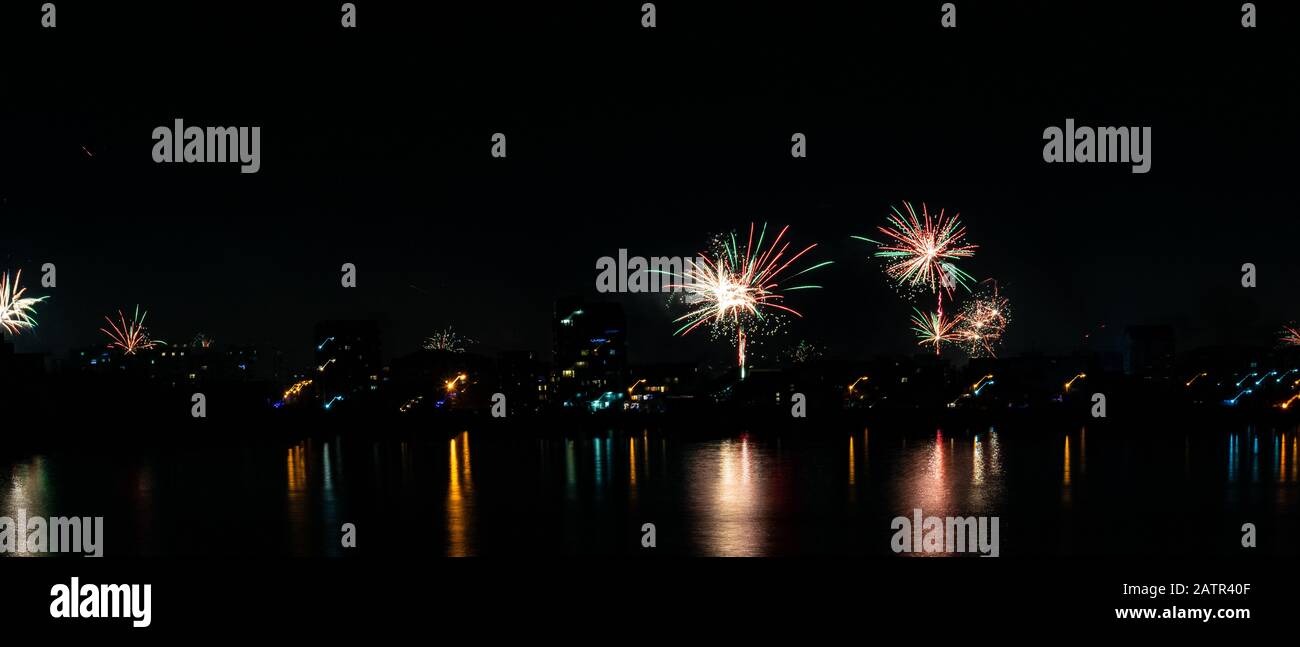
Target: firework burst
point(740, 294)
point(983, 320)
point(15, 309)
point(935, 329)
point(129, 336)
point(447, 340)
point(921, 252)
point(1290, 336)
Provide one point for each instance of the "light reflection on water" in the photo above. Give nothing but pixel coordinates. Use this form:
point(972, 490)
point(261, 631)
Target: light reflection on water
point(27, 491)
point(460, 497)
point(729, 485)
point(751, 494)
point(946, 478)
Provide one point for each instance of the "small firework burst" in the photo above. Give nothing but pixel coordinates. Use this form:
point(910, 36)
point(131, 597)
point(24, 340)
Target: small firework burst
point(983, 321)
point(935, 329)
point(201, 341)
point(447, 340)
point(129, 336)
point(1290, 335)
point(737, 294)
point(803, 352)
point(15, 309)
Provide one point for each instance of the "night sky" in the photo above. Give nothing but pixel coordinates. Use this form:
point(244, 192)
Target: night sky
point(375, 151)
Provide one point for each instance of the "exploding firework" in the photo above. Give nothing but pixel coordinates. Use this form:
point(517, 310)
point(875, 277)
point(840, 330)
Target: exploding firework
point(1290, 336)
point(15, 309)
point(129, 336)
point(201, 341)
point(447, 340)
point(983, 320)
point(935, 329)
point(739, 294)
point(921, 252)
point(803, 352)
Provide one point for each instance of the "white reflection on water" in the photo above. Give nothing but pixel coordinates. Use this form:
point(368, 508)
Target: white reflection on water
point(728, 487)
point(28, 490)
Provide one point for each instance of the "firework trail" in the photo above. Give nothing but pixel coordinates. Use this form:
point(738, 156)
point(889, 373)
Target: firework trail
point(737, 293)
point(129, 336)
point(447, 340)
point(935, 329)
point(983, 321)
point(15, 309)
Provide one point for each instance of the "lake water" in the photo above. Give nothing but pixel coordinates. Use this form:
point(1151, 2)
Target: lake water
point(1073, 491)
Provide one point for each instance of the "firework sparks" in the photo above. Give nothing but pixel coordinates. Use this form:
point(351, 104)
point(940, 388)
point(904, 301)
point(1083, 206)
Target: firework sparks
point(15, 309)
point(201, 341)
point(1290, 336)
point(737, 293)
point(447, 340)
point(935, 329)
point(129, 336)
point(922, 251)
point(983, 320)
point(803, 352)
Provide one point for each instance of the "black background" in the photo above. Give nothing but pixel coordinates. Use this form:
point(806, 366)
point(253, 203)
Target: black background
point(376, 151)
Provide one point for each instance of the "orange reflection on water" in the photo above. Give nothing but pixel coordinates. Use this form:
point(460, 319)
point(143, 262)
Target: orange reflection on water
point(296, 490)
point(852, 467)
point(631, 464)
point(460, 491)
point(1065, 474)
point(1281, 471)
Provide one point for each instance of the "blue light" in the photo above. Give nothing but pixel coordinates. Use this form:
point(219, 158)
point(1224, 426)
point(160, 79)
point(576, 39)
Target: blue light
point(1233, 401)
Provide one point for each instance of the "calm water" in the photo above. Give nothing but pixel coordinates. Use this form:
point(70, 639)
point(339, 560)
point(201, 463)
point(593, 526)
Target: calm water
point(1076, 491)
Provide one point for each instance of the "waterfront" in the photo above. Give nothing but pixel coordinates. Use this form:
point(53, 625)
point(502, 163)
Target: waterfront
point(507, 491)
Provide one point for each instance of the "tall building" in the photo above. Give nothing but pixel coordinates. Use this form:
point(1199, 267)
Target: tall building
point(590, 354)
point(347, 360)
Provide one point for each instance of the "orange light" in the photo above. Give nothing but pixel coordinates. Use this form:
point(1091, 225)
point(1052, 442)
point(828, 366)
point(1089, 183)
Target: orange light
point(1071, 382)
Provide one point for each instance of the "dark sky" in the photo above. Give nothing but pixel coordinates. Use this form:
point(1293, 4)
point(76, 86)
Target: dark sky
point(375, 151)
